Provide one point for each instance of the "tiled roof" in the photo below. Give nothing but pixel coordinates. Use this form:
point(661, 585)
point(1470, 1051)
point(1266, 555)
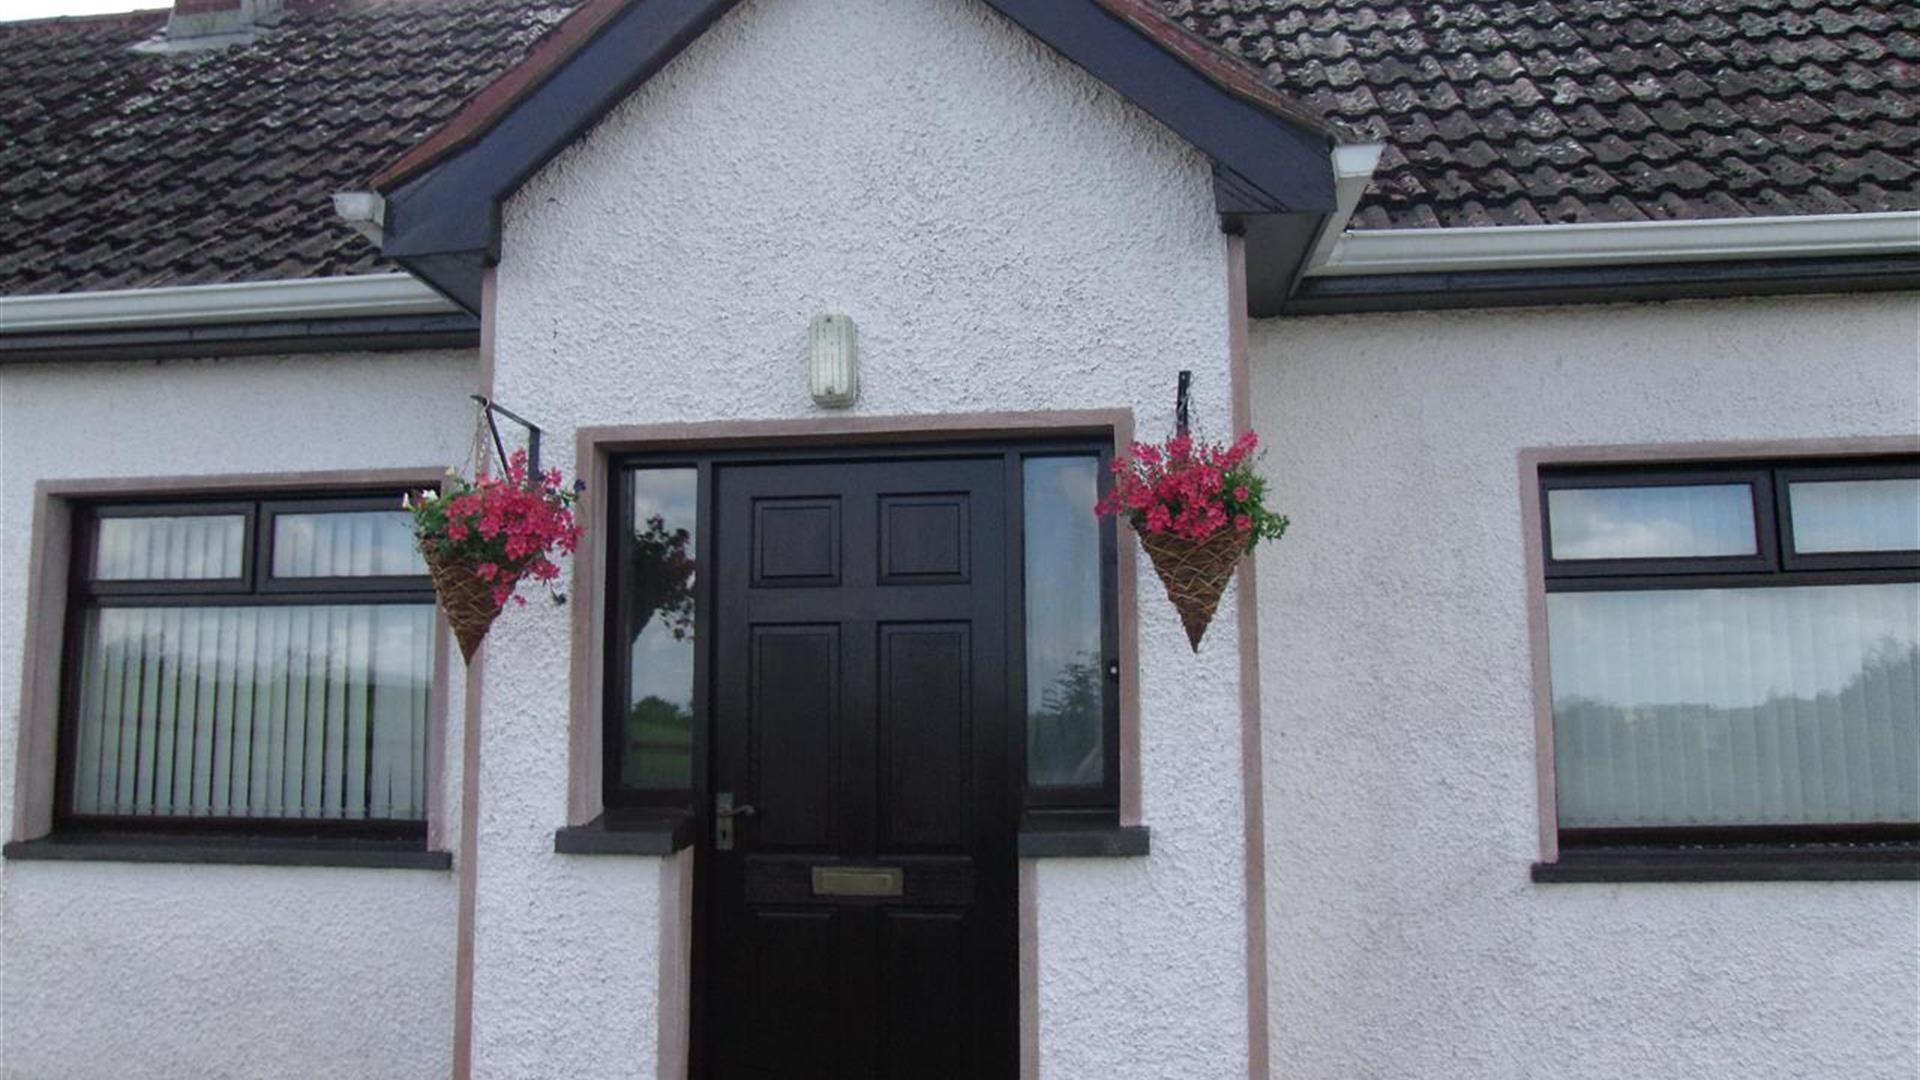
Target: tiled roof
point(1524, 112)
point(123, 170)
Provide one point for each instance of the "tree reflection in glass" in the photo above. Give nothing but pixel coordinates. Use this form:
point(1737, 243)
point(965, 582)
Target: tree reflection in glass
point(1761, 706)
point(660, 574)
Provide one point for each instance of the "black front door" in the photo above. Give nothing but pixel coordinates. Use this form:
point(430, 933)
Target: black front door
point(859, 921)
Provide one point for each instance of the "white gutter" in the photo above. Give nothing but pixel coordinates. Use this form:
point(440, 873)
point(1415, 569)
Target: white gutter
point(1533, 247)
point(1353, 167)
point(355, 296)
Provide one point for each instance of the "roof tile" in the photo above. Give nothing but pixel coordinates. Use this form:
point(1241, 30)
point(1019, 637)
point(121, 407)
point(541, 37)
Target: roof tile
point(1686, 108)
point(120, 169)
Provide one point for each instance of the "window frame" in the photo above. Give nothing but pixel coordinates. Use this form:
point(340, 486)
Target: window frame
point(1755, 479)
point(1054, 801)
point(86, 516)
point(270, 511)
point(1088, 803)
point(249, 589)
point(1788, 475)
point(615, 687)
point(1781, 567)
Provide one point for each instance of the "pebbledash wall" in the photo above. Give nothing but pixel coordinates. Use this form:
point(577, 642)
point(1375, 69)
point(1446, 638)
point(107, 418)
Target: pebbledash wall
point(1406, 937)
point(1009, 236)
point(154, 970)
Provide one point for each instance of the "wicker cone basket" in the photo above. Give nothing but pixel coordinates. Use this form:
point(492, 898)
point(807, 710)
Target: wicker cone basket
point(465, 597)
point(1195, 573)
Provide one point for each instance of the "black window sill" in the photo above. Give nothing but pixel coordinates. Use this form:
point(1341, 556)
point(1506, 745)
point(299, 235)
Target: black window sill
point(1041, 838)
point(231, 851)
point(628, 832)
point(1807, 862)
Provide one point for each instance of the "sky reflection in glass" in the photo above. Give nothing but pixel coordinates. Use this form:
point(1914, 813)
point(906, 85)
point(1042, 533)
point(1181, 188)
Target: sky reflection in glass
point(1834, 516)
point(1668, 522)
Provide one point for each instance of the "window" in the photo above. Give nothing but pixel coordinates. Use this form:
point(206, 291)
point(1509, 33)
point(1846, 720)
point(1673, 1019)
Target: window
point(650, 731)
point(1063, 675)
point(1735, 651)
point(247, 664)
point(1071, 709)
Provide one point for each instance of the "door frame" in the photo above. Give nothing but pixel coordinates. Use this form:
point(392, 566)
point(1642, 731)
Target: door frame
point(600, 450)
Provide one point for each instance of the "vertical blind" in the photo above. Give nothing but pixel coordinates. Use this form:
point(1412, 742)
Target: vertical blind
point(316, 711)
point(361, 544)
point(1756, 706)
point(311, 707)
point(196, 547)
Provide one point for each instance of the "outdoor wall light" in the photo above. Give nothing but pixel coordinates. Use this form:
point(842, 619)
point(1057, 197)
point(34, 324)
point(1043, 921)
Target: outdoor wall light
point(835, 375)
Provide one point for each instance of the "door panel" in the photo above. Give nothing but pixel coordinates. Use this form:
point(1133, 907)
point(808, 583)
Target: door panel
point(793, 720)
point(863, 923)
point(925, 725)
point(924, 1036)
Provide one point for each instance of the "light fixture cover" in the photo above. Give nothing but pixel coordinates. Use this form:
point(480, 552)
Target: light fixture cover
point(834, 377)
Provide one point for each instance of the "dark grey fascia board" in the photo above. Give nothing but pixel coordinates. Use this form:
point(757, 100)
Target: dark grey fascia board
point(383, 333)
point(460, 276)
point(444, 225)
point(1593, 285)
point(1277, 248)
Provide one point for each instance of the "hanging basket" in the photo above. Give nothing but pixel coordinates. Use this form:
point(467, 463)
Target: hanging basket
point(464, 596)
point(1195, 573)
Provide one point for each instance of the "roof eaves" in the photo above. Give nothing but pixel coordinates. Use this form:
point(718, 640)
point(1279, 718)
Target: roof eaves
point(496, 99)
point(1222, 68)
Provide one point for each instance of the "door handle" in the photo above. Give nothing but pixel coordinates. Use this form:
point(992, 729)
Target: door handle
point(724, 811)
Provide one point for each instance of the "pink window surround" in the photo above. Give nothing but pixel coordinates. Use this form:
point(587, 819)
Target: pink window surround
point(1533, 460)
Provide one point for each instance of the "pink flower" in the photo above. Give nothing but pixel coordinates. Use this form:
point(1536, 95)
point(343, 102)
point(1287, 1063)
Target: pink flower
point(1187, 487)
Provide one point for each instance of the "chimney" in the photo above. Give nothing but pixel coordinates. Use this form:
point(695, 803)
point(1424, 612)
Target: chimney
point(201, 24)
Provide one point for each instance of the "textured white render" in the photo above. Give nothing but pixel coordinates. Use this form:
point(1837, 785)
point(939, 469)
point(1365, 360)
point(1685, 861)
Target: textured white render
point(1008, 235)
point(1407, 940)
point(169, 971)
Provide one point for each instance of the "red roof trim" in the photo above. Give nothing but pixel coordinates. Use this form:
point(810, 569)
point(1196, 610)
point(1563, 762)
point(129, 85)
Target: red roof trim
point(487, 107)
point(1221, 68)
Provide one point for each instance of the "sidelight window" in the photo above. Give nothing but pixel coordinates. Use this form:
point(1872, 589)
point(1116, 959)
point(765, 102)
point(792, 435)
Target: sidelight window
point(1735, 651)
point(1070, 701)
point(650, 745)
point(249, 663)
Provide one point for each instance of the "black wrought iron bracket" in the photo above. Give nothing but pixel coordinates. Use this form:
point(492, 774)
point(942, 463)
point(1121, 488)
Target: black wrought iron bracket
point(493, 413)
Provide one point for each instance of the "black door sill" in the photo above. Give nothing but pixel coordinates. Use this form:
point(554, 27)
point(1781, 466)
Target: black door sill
point(1071, 839)
point(1808, 862)
point(232, 851)
point(628, 832)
